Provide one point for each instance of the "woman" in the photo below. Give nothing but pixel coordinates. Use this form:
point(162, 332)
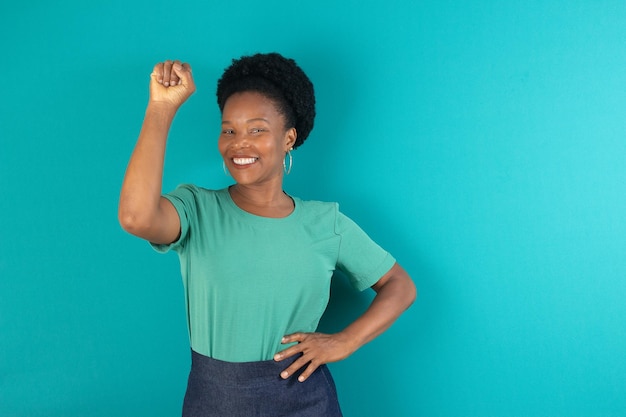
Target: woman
point(256, 262)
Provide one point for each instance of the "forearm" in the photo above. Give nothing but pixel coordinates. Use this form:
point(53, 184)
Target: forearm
point(393, 297)
point(141, 189)
point(394, 293)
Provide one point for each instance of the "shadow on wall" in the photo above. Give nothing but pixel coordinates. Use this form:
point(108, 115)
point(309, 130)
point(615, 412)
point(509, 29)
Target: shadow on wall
point(345, 304)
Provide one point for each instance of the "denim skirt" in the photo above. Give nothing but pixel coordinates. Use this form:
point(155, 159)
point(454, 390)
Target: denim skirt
point(249, 389)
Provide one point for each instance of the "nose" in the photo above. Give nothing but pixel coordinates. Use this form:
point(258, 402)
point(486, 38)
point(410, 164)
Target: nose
point(239, 140)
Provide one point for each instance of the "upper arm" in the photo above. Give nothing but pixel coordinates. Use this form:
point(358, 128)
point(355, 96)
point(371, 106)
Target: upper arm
point(397, 276)
point(167, 227)
point(362, 259)
point(161, 227)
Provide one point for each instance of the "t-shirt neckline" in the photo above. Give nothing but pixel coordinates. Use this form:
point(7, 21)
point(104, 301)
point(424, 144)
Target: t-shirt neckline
point(238, 211)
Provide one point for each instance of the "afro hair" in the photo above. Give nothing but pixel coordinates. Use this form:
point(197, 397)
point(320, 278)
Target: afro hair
point(278, 78)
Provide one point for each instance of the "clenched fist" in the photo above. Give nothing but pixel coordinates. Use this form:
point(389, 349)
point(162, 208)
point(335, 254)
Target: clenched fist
point(171, 82)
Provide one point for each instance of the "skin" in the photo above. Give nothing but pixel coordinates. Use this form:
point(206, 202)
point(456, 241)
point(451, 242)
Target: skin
point(252, 127)
point(142, 210)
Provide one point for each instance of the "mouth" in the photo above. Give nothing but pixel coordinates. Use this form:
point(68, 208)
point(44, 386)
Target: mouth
point(244, 161)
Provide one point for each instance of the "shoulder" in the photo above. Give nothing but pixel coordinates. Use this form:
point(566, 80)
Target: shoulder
point(190, 195)
point(321, 215)
point(317, 208)
point(330, 214)
point(194, 190)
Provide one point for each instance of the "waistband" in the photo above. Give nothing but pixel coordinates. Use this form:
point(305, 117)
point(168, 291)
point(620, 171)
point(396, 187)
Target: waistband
point(238, 373)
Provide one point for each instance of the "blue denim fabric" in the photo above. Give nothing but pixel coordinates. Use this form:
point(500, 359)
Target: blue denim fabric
point(255, 389)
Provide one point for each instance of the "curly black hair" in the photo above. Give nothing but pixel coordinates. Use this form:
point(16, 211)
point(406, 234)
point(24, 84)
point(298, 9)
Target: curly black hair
point(279, 79)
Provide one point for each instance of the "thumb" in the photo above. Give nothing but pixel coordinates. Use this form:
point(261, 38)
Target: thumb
point(183, 71)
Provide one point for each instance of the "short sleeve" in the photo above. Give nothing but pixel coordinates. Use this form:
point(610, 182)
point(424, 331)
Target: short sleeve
point(362, 259)
point(184, 200)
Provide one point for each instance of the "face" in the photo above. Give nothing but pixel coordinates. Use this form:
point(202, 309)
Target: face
point(253, 139)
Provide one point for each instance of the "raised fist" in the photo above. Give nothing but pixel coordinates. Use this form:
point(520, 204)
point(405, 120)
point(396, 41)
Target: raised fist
point(171, 82)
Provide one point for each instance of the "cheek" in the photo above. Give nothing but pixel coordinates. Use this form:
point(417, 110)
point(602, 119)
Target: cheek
point(221, 146)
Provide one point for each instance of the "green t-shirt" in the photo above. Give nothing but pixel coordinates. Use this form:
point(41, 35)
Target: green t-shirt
point(250, 280)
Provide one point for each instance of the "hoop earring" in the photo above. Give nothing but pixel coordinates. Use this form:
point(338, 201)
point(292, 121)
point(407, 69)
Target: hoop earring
point(286, 168)
point(225, 170)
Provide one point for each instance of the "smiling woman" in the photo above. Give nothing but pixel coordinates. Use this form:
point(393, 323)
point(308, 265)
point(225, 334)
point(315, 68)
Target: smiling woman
point(254, 140)
point(256, 262)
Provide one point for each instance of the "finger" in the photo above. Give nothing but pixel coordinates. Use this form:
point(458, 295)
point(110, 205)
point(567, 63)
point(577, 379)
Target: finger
point(294, 337)
point(292, 350)
point(308, 372)
point(167, 72)
point(293, 368)
point(174, 74)
point(183, 72)
point(287, 353)
point(186, 70)
point(157, 72)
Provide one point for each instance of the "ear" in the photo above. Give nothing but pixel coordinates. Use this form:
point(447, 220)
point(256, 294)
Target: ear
point(290, 138)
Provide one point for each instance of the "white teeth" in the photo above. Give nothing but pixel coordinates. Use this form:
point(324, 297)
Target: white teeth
point(244, 161)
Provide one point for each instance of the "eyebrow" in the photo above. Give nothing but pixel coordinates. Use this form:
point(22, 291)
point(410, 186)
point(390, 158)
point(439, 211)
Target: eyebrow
point(256, 119)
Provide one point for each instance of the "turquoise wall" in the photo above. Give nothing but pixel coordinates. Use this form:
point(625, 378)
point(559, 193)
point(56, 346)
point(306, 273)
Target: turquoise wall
point(481, 142)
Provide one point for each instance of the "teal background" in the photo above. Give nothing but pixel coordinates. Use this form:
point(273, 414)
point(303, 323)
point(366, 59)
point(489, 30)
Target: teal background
point(481, 142)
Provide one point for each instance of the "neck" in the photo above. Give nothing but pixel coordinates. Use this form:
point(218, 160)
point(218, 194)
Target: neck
point(264, 201)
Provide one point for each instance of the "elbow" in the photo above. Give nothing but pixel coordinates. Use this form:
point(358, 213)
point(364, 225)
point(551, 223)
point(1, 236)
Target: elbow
point(406, 288)
point(127, 220)
point(407, 292)
point(411, 293)
point(132, 222)
point(399, 285)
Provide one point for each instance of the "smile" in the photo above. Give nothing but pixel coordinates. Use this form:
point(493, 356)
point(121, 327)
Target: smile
point(244, 161)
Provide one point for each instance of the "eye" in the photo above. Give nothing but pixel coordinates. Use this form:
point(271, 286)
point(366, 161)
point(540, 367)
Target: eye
point(227, 131)
point(257, 130)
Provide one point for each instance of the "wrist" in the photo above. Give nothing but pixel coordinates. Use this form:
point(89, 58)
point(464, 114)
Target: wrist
point(161, 109)
point(350, 341)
